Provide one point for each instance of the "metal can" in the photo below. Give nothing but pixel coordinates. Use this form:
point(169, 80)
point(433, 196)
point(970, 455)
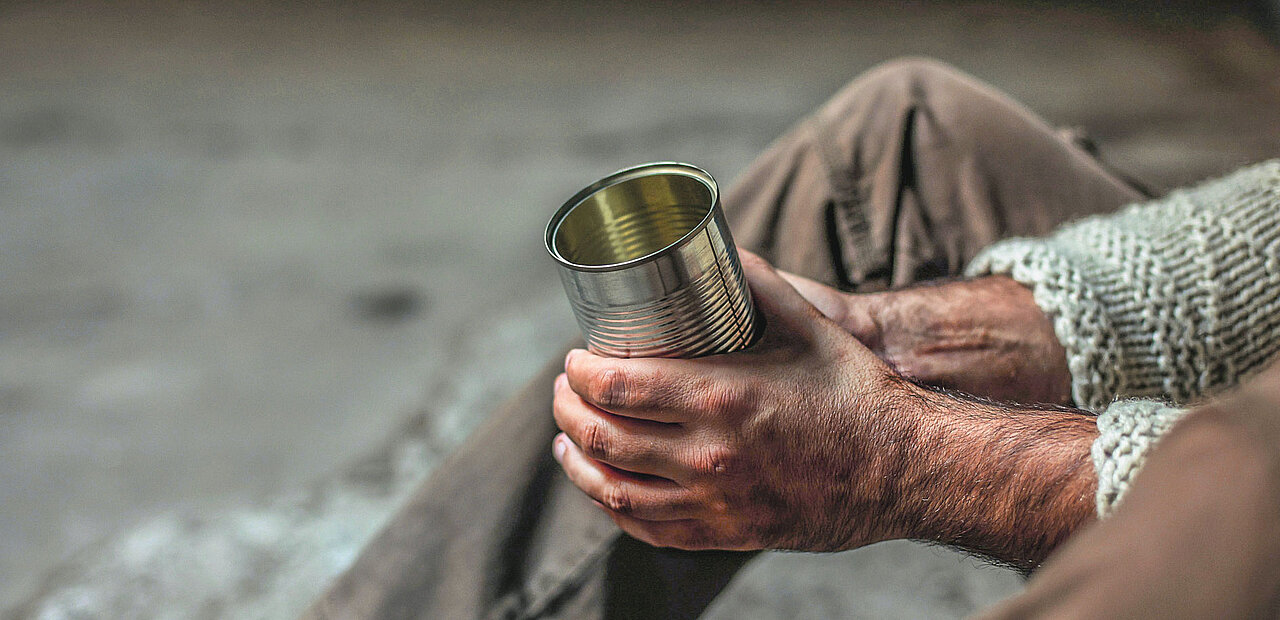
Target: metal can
point(649, 266)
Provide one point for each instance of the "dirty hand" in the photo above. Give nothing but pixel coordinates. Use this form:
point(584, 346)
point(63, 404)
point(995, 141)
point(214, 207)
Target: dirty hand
point(985, 336)
point(797, 442)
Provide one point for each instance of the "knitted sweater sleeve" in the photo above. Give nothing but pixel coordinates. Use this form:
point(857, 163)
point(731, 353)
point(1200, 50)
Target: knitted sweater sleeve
point(1171, 299)
point(1127, 431)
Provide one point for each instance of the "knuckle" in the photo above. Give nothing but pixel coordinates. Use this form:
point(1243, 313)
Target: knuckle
point(715, 460)
point(719, 506)
point(720, 398)
point(754, 261)
point(616, 498)
point(596, 441)
point(608, 388)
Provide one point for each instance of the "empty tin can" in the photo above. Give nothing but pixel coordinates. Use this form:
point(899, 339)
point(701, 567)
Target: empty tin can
point(649, 266)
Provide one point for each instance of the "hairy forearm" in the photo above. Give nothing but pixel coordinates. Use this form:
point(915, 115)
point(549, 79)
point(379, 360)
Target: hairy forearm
point(1009, 482)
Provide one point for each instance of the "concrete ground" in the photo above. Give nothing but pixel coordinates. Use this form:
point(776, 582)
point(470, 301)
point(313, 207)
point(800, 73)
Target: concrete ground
point(262, 266)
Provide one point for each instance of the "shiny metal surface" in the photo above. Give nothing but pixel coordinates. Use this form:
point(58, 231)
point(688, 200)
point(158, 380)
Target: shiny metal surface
point(649, 266)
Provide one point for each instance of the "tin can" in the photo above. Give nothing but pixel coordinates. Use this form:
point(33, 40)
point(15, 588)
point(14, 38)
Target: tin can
point(649, 266)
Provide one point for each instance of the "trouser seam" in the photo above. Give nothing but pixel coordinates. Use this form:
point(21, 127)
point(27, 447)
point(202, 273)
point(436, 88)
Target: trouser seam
point(853, 221)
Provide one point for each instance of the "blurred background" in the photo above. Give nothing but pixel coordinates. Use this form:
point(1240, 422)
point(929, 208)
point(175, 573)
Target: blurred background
point(262, 265)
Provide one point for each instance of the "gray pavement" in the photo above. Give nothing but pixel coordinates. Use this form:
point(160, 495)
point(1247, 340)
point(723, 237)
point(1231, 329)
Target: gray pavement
point(261, 267)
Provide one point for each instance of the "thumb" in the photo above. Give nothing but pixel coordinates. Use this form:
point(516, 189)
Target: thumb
point(832, 303)
point(774, 295)
point(782, 306)
point(848, 310)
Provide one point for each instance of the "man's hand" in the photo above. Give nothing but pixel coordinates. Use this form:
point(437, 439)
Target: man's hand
point(985, 336)
point(808, 441)
point(794, 443)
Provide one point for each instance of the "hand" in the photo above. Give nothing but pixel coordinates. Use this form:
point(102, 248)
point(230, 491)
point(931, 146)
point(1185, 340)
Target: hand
point(985, 337)
point(808, 441)
point(786, 445)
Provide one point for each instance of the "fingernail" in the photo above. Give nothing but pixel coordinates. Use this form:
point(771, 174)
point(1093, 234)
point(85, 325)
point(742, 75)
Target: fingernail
point(558, 447)
point(561, 380)
point(569, 356)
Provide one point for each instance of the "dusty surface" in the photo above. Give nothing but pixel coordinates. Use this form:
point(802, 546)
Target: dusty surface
point(244, 249)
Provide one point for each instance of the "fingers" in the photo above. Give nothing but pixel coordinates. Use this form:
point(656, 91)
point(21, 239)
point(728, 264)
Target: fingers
point(791, 319)
point(788, 316)
point(662, 390)
point(630, 444)
point(772, 294)
point(830, 302)
point(851, 311)
point(686, 534)
point(623, 493)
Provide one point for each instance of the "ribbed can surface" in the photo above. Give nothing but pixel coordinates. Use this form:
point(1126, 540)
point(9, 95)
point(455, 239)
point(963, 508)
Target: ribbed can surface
point(649, 265)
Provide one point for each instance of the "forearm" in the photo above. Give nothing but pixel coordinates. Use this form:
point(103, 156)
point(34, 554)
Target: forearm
point(1009, 482)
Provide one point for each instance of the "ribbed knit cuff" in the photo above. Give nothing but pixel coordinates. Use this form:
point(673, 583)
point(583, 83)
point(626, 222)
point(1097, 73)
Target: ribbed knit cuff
point(1128, 430)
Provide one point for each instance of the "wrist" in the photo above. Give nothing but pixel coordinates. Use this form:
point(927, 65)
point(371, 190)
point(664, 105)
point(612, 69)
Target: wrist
point(905, 429)
point(1008, 482)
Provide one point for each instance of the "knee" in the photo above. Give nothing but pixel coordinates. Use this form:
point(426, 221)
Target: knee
point(913, 69)
point(909, 80)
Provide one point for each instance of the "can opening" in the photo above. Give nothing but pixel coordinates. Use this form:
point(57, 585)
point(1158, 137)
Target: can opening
point(637, 216)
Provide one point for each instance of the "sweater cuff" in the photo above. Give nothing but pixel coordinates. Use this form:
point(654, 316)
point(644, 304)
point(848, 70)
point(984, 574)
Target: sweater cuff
point(1127, 431)
point(1079, 317)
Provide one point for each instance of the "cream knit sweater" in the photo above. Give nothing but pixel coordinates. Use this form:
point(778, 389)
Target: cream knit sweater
point(1171, 300)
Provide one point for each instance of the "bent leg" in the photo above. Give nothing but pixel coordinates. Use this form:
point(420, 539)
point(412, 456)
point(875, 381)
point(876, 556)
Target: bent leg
point(448, 553)
point(906, 174)
point(903, 176)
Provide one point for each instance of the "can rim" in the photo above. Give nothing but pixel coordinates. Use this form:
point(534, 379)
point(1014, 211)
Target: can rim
point(627, 174)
